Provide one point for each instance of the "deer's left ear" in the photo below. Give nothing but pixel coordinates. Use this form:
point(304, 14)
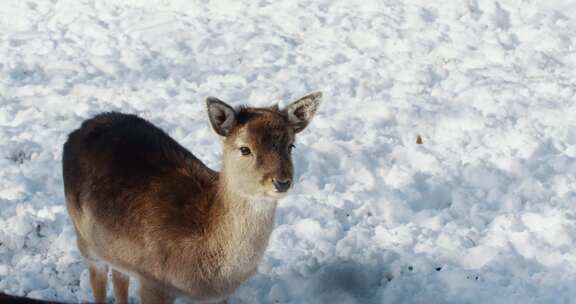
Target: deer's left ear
point(301, 111)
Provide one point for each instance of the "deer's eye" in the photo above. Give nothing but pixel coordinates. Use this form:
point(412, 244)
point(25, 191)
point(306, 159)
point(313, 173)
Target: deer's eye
point(245, 151)
point(291, 147)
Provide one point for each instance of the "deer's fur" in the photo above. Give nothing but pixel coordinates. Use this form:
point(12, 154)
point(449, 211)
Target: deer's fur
point(146, 207)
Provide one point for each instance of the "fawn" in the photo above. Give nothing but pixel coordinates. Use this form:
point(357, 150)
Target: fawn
point(146, 207)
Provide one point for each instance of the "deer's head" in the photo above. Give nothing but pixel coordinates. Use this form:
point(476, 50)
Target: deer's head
point(258, 143)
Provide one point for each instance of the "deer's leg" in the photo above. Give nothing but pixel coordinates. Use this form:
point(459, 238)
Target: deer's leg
point(98, 280)
point(121, 283)
point(151, 293)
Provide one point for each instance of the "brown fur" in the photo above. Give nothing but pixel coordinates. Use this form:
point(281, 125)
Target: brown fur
point(146, 206)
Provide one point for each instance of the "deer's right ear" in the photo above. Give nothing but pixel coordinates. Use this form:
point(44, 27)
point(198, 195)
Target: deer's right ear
point(222, 116)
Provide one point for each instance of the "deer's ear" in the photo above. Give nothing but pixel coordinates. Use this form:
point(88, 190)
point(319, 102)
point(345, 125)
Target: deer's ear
point(301, 111)
point(222, 116)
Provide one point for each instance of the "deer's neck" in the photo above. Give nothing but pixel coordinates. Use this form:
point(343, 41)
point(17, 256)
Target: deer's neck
point(229, 252)
point(242, 229)
point(238, 207)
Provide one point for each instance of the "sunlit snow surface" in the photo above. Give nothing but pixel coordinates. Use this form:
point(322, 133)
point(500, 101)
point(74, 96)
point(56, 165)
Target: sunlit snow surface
point(482, 212)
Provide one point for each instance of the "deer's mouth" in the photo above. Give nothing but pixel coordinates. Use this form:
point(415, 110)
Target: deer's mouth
point(269, 194)
point(277, 194)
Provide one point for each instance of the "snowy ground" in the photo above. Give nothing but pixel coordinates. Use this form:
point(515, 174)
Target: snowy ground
point(482, 212)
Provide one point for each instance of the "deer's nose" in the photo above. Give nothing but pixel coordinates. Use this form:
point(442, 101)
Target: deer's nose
point(282, 185)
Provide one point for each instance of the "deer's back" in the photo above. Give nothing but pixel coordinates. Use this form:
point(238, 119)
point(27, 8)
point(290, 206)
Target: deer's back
point(130, 178)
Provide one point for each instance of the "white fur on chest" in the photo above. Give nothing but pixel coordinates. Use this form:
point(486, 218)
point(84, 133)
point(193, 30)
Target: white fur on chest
point(247, 237)
point(236, 248)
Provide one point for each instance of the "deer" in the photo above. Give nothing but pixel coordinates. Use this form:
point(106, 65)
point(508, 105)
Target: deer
point(145, 207)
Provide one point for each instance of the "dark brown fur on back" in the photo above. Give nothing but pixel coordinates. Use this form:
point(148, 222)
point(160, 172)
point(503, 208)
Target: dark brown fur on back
point(123, 163)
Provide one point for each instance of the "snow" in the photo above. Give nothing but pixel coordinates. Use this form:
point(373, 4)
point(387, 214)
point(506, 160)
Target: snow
point(481, 212)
